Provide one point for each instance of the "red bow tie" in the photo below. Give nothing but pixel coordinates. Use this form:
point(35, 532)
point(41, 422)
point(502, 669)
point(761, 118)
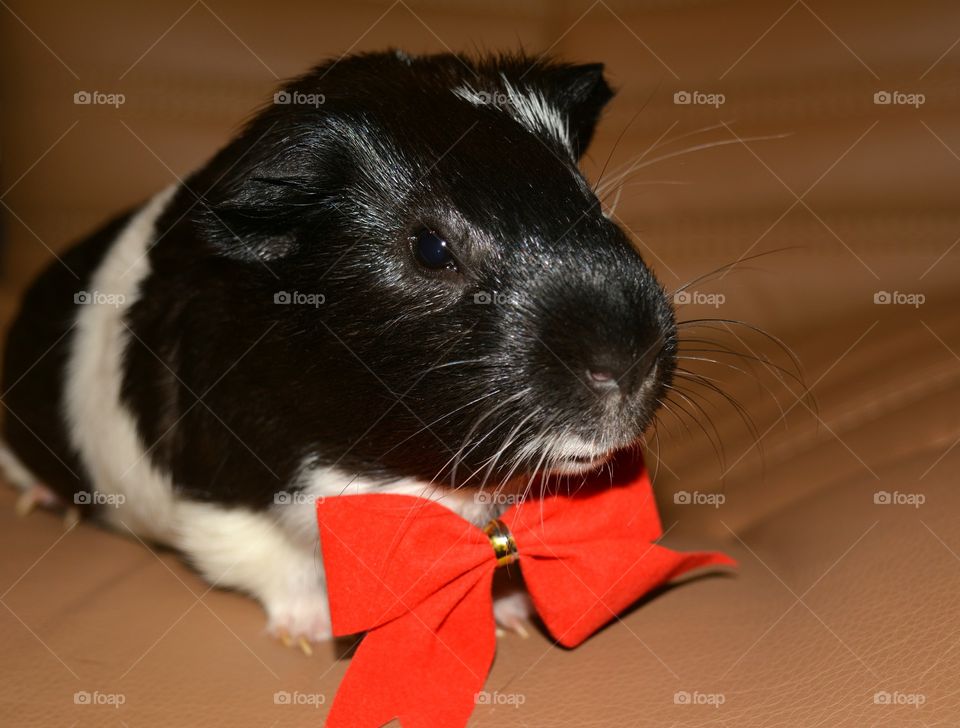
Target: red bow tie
point(417, 578)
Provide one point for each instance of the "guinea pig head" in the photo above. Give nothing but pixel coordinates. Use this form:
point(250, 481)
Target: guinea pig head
point(458, 307)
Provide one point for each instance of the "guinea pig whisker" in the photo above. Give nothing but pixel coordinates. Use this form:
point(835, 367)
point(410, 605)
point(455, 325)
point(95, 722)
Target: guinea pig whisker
point(460, 454)
point(688, 134)
point(493, 461)
point(617, 143)
point(656, 440)
point(701, 401)
point(795, 372)
point(752, 374)
point(659, 143)
point(731, 400)
point(643, 107)
point(616, 201)
point(544, 441)
point(717, 448)
point(440, 419)
point(750, 359)
point(683, 152)
point(711, 323)
point(475, 445)
point(738, 264)
point(507, 443)
point(665, 403)
point(651, 182)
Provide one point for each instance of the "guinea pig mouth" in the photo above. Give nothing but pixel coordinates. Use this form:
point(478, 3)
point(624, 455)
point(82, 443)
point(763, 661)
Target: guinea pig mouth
point(570, 456)
point(578, 464)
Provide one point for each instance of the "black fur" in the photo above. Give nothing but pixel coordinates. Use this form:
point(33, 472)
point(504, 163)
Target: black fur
point(36, 353)
point(236, 390)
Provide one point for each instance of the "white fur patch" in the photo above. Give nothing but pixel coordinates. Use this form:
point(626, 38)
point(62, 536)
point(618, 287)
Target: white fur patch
point(565, 454)
point(527, 106)
point(298, 515)
point(14, 470)
point(100, 427)
point(249, 551)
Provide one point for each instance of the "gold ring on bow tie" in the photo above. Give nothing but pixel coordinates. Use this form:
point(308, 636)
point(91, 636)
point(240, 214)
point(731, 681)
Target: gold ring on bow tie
point(504, 547)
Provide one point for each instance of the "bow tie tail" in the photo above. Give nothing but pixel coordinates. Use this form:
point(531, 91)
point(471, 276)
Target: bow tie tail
point(424, 668)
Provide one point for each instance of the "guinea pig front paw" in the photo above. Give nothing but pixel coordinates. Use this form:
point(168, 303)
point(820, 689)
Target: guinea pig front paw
point(512, 611)
point(35, 495)
point(299, 622)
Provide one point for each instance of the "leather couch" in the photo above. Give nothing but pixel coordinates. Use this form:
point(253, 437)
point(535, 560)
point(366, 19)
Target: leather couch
point(839, 499)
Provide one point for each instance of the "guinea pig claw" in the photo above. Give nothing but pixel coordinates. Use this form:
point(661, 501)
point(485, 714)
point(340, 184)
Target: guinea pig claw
point(71, 518)
point(305, 647)
point(516, 626)
point(26, 502)
point(36, 495)
point(285, 637)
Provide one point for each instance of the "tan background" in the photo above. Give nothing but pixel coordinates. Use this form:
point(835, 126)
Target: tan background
point(877, 211)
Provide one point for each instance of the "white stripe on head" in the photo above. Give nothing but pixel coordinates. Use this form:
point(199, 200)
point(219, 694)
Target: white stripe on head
point(528, 106)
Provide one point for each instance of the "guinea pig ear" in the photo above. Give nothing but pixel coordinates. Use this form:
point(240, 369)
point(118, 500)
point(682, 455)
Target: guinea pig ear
point(580, 92)
point(256, 197)
point(538, 92)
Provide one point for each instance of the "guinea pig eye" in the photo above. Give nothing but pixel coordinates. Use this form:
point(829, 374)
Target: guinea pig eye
point(432, 251)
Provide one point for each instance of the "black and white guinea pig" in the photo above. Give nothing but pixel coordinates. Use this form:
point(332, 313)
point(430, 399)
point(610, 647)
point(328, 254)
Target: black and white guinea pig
point(395, 278)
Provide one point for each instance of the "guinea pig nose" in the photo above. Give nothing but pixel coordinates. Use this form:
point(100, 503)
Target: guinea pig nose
point(601, 378)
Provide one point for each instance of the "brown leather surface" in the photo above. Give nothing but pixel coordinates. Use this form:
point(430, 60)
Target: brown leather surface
point(837, 597)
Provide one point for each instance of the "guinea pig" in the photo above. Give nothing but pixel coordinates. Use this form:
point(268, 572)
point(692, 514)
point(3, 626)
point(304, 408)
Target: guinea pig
point(395, 278)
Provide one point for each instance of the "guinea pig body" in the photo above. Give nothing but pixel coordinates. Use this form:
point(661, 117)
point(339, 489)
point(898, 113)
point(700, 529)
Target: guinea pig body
point(395, 278)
